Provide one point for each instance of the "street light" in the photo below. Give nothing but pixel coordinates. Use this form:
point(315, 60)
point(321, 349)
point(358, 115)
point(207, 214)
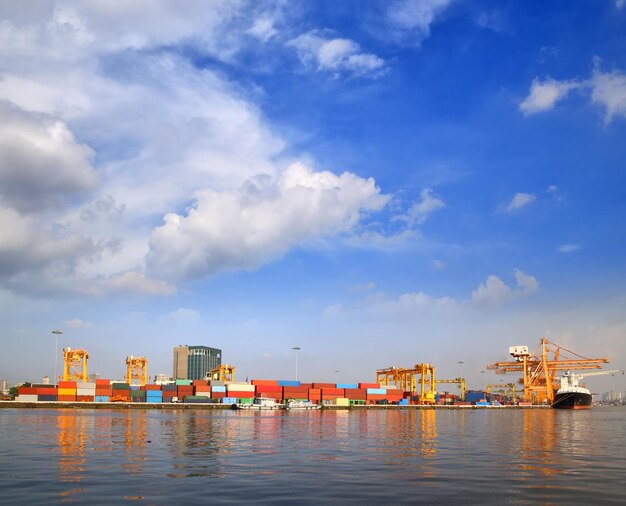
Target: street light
point(56, 333)
point(296, 349)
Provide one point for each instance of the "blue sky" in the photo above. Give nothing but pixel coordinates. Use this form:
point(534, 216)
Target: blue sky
point(379, 183)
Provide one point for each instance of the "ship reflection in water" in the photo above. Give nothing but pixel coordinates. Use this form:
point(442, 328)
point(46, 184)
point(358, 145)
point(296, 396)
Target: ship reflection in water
point(313, 457)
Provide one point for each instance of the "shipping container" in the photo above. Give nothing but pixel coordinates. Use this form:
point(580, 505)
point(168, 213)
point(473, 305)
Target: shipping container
point(369, 385)
point(102, 398)
point(103, 382)
point(27, 397)
point(288, 383)
point(66, 391)
point(347, 385)
point(265, 383)
point(183, 382)
point(120, 386)
point(272, 388)
point(67, 384)
point(168, 388)
point(324, 385)
point(67, 398)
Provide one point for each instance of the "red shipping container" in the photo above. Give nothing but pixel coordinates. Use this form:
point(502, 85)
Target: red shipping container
point(306, 385)
point(334, 391)
point(46, 391)
point(184, 390)
point(123, 393)
point(153, 387)
point(324, 385)
point(369, 385)
point(356, 396)
point(27, 391)
point(67, 384)
point(102, 390)
point(265, 382)
point(85, 398)
point(296, 389)
point(103, 382)
point(270, 388)
point(67, 398)
point(170, 393)
point(376, 397)
point(218, 395)
point(202, 388)
point(242, 395)
point(200, 383)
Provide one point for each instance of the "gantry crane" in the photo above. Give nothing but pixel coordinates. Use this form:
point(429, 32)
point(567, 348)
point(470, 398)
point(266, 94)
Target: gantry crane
point(223, 372)
point(461, 383)
point(539, 368)
point(405, 379)
point(136, 370)
point(505, 388)
point(74, 364)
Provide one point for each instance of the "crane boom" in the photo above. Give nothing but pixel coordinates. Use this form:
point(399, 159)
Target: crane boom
point(600, 373)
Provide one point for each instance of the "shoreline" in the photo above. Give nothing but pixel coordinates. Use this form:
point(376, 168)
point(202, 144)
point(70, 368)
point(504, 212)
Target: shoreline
point(219, 407)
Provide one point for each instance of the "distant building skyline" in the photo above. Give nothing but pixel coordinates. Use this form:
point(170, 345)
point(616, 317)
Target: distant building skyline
point(195, 362)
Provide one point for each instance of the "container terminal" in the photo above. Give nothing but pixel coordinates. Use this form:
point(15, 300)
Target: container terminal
point(415, 386)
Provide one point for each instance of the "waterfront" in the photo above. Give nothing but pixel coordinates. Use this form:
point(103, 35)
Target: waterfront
point(102, 456)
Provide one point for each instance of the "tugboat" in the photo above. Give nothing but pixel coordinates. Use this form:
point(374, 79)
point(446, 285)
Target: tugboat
point(573, 396)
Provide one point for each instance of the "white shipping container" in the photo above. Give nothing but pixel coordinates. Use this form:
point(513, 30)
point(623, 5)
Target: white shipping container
point(26, 398)
point(240, 387)
point(85, 384)
point(85, 391)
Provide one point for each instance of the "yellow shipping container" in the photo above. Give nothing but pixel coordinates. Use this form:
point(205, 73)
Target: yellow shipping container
point(67, 391)
point(342, 401)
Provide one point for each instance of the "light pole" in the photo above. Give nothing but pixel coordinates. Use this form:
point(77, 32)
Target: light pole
point(56, 333)
point(460, 362)
point(296, 349)
point(336, 377)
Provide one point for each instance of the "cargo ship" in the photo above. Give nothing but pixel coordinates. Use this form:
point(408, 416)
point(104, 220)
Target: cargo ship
point(573, 396)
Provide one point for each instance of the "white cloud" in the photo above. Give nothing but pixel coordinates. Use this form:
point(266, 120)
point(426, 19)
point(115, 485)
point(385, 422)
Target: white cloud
point(569, 248)
point(552, 188)
point(420, 211)
point(259, 223)
point(76, 324)
point(182, 315)
point(620, 3)
point(263, 29)
point(338, 56)
point(137, 283)
point(544, 95)
point(438, 264)
point(609, 91)
point(494, 292)
point(41, 165)
point(520, 200)
point(409, 21)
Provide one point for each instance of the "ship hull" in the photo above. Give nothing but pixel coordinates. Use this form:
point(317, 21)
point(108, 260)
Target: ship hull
point(572, 400)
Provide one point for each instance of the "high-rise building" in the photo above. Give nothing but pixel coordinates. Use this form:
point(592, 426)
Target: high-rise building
point(195, 362)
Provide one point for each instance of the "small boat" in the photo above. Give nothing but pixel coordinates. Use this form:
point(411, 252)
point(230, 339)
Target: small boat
point(296, 404)
point(260, 403)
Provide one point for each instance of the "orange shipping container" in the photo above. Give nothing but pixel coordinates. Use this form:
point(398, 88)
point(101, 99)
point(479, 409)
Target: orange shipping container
point(324, 385)
point(270, 388)
point(369, 385)
point(333, 391)
point(67, 384)
point(67, 398)
point(376, 397)
point(202, 388)
point(265, 382)
point(27, 391)
point(85, 398)
point(47, 391)
point(218, 395)
point(103, 382)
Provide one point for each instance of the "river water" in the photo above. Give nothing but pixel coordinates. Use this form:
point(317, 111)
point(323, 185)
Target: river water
point(481, 457)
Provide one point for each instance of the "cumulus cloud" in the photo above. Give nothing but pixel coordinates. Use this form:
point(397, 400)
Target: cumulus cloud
point(337, 56)
point(137, 283)
point(409, 21)
point(76, 324)
point(183, 315)
point(420, 211)
point(608, 90)
point(263, 29)
point(494, 291)
point(544, 95)
point(41, 164)
point(519, 200)
point(260, 222)
point(569, 248)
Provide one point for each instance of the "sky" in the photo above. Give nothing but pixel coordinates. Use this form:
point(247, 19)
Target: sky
point(378, 183)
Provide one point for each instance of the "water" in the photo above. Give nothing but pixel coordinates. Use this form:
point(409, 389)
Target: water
point(358, 457)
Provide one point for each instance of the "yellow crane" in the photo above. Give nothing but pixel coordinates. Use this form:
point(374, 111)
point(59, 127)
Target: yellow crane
point(539, 368)
point(406, 379)
point(223, 372)
point(74, 364)
point(461, 383)
point(136, 370)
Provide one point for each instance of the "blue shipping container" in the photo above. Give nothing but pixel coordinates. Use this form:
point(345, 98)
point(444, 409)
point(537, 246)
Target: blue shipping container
point(347, 385)
point(288, 383)
point(379, 391)
point(218, 388)
point(101, 398)
point(229, 400)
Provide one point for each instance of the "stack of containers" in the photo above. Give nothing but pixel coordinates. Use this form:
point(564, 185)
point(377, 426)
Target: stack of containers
point(330, 394)
point(376, 394)
point(294, 390)
point(358, 395)
point(103, 390)
point(394, 395)
point(67, 391)
point(270, 389)
point(168, 392)
point(184, 388)
point(120, 390)
point(315, 394)
point(47, 393)
point(242, 391)
point(85, 391)
point(26, 394)
point(137, 394)
point(153, 393)
point(218, 391)
point(201, 389)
